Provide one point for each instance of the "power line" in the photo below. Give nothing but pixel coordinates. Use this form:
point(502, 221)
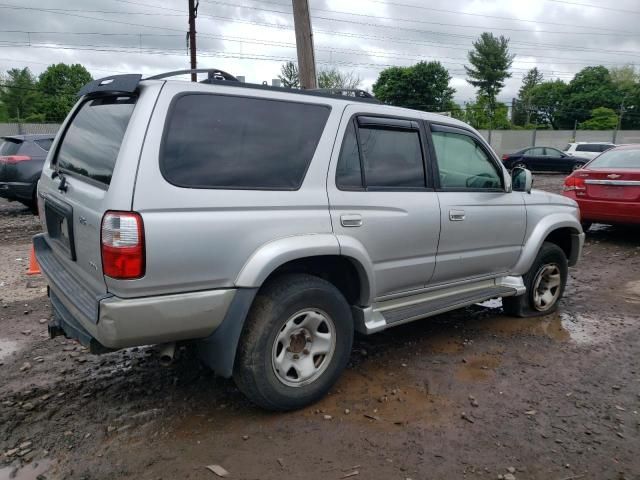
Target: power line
point(151, 50)
point(396, 19)
point(373, 53)
point(635, 12)
point(482, 15)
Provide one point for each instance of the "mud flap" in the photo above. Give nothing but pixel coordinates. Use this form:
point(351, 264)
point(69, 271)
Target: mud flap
point(218, 350)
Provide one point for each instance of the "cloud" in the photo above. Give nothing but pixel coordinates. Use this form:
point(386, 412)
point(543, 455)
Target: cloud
point(254, 37)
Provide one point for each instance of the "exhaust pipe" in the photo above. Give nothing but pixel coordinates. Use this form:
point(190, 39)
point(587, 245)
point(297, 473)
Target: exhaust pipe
point(166, 353)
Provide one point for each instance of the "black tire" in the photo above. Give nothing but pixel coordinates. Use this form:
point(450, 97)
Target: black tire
point(275, 305)
point(525, 305)
point(519, 165)
point(577, 166)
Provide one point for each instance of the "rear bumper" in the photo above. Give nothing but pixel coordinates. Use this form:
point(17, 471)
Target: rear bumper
point(607, 211)
point(16, 190)
point(108, 322)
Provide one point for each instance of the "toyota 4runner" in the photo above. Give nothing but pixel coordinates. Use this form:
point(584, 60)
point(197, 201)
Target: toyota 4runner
point(267, 225)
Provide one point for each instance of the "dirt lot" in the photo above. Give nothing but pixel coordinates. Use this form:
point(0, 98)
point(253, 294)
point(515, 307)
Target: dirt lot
point(473, 394)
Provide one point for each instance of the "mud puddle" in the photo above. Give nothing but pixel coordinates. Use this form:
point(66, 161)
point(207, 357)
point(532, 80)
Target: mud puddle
point(7, 347)
point(33, 471)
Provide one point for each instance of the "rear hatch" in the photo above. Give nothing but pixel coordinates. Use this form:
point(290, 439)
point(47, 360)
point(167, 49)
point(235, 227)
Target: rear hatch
point(9, 148)
point(75, 184)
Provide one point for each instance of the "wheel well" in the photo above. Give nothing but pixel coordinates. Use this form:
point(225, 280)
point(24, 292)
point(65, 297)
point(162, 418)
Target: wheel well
point(562, 238)
point(339, 270)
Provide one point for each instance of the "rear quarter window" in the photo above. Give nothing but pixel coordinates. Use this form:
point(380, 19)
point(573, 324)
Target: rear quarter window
point(91, 143)
point(44, 143)
point(233, 142)
point(9, 146)
point(589, 148)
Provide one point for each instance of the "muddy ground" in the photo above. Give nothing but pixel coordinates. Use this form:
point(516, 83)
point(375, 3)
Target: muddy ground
point(472, 394)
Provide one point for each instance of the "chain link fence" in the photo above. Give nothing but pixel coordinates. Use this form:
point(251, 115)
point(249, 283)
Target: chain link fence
point(508, 141)
point(28, 128)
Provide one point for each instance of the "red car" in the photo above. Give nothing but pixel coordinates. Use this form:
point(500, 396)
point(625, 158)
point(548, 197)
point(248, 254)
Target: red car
point(608, 187)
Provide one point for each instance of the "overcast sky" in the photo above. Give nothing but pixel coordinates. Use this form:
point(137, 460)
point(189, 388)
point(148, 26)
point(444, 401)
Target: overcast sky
point(253, 38)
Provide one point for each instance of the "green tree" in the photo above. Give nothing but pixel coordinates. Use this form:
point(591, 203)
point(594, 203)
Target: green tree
point(19, 94)
point(423, 86)
point(547, 102)
point(522, 108)
point(289, 75)
point(490, 63)
point(481, 115)
point(602, 118)
point(334, 78)
point(625, 78)
point(592, 87)
point(59, 85)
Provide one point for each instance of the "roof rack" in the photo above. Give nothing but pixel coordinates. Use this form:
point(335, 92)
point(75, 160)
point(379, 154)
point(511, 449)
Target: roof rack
point(347, 92)
point(213, 74)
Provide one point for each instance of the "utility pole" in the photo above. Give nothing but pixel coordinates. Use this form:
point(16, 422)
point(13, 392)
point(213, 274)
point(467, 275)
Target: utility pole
point(304, 44)
point(619, 126)
point(191, 36)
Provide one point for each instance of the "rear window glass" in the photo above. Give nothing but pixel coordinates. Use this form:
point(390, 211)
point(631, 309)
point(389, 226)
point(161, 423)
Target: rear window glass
point(9, 146)
point(218, 141)
point(92, 141)
point(618, 159)
point(44, 144)
point(591, 148)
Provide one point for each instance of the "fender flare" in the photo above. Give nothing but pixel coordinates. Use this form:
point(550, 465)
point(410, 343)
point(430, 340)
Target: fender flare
point(218, 350)
point(541, 231)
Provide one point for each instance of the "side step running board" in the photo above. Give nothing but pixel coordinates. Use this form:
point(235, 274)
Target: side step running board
point(385, 314)
point(438, 305)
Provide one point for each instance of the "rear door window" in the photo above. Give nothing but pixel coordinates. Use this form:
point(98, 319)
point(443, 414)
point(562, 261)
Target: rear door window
point(220, 141)
point(92, 141)
point(9, 146)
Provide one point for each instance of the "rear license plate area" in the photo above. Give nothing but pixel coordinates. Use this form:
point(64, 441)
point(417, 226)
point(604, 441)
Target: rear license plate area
point(59, 219)
point(613, 192)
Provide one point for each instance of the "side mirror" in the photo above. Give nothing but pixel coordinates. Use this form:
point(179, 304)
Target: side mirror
point(522, 180)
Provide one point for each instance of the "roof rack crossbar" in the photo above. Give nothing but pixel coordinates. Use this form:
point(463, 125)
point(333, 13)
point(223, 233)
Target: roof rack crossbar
point(213, 74)
point(357, 92)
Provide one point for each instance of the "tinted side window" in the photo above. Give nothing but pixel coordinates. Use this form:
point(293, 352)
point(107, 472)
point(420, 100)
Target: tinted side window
point(217, 141)
point(392, 158)
point(44, 144)
point(538, 151)
point(588, 148)
point(463, 163)
point(9, 146)
point(349, 173)
point(92, 141)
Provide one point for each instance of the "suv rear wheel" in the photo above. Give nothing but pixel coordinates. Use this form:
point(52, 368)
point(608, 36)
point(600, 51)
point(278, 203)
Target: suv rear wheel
point(295, 344)
point(545, 283)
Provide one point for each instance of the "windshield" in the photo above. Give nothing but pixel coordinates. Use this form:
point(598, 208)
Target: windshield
point(627, 158)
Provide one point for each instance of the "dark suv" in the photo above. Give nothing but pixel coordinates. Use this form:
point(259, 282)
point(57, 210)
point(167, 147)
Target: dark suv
point(21, 161)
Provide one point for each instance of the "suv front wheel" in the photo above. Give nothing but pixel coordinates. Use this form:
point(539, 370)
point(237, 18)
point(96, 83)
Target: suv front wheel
point(295, 344)
point(545, 283)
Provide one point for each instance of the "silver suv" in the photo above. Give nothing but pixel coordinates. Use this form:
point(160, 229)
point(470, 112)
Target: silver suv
point(267, 225)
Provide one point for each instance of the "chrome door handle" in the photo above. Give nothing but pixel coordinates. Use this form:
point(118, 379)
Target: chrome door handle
point(351, 220)
point(456, 215)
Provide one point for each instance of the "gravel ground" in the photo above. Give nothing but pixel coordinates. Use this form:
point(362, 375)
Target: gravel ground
point(471, 394)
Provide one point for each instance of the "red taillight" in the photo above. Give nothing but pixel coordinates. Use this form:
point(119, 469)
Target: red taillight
point(505, 157)
point(122, 237)
point(572, 183)
point(12, 159)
